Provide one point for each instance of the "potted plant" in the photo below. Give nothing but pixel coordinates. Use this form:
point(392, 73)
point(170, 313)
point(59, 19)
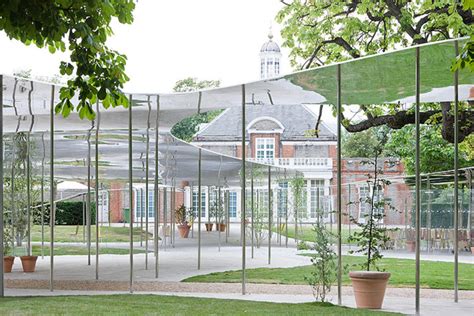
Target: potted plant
point(219, 214)
point(7, 248)
point(211, 213)
point(323, 260)
point(369, 283)
point(181, 216)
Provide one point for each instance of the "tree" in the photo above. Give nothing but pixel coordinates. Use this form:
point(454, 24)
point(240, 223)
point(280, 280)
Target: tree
point(193, 84)
point(82, 27)
point(322, 32)
point(186, 128)
point(436, 153)
point(359, 145)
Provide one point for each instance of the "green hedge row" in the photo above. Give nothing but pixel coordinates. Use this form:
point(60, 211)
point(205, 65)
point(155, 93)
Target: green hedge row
point(67, 213)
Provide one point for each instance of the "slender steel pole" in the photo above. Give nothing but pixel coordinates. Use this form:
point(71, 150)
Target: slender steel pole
point(2, 285)
point(97, 192)
point(157, 191)
point(456, 178)
point(199, 210)
point(428, 215)
point(226, 210)
point(88, 205)
point(270, 214)
point(84, 218)
point(252, 214)
point(218, 222)
point(242, 197)
point(165, 215)
point(142, 208)
point(51, 193)
point(42, 196)
point(173, 207)
point(417, 180)
point(286, 211)
point(339, 187)
point(28, 194)
point(209, 206)
point(130, 187)
point(147, 170)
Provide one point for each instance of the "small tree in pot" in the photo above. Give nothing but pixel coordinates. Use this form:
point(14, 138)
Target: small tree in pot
point(324, 272)
point(8, 259)
point(181, 216)
point(369, 285)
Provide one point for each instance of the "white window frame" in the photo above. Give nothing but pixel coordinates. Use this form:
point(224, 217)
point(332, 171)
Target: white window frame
point(266, 143)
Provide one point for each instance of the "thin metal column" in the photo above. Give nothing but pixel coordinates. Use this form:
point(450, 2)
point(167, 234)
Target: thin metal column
point(219, 205)
point(226, 210)
point(172, 215)
point(428, 215)
point(199, 210)
point(252, 214)
point(42, 196)
point(165, 215)
point(242, 197)
point(417, 180)
point(88, 205)
point(97, 192)
point(208, 206)
point(83, 218)
point(339, 187)
point(157, 191)
point(52, 206)
point(270, 214)
point(28, 194)
point(286, 210)
point(2, 285)
point(456, 178)
point(130, 187)
point(147, 170)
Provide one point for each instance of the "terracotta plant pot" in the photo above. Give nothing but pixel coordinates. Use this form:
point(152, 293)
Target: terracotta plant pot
point(28, 263)
point(209, 226)
point(369, 288)
point(8, 263)
point(183, 230)
point(220, 227)
point(411, 245)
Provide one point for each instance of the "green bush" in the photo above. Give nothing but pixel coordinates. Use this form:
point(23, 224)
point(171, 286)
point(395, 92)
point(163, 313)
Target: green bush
point(67, 213)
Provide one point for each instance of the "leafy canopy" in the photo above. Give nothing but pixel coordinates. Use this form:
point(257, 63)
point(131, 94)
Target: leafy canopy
point(81, 27)
point(323, 32)
point(186, 128)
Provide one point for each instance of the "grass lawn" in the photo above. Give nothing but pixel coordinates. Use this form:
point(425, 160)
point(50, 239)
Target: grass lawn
point(162, 305)
point(82, 251)
point(67, 233)
point(435, 275)
point(306, 233)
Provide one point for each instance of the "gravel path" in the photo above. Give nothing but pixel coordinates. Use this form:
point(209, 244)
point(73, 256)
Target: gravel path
point(177, 287)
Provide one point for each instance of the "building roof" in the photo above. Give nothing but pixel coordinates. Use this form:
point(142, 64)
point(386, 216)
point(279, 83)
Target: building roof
point(295, 119)
point(270, 45)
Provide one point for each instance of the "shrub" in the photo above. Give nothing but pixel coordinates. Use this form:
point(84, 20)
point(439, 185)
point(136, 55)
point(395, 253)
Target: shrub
point(67, 213)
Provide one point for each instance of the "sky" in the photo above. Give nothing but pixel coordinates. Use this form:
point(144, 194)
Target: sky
point(172, 40)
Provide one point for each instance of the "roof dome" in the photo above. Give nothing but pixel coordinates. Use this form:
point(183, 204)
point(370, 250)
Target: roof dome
point(270, 46)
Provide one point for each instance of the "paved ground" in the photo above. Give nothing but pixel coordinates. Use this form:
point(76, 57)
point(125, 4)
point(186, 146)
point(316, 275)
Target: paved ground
point(74, 276)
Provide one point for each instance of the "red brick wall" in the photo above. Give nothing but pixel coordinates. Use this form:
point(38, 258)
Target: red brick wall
point(115, 202)
point(399, 193)
point(288, 151)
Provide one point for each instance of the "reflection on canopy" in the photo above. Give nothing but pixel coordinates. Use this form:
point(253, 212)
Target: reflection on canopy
point(376, 79)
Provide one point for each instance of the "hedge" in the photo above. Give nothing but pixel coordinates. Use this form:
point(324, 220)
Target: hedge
point(67, 213)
